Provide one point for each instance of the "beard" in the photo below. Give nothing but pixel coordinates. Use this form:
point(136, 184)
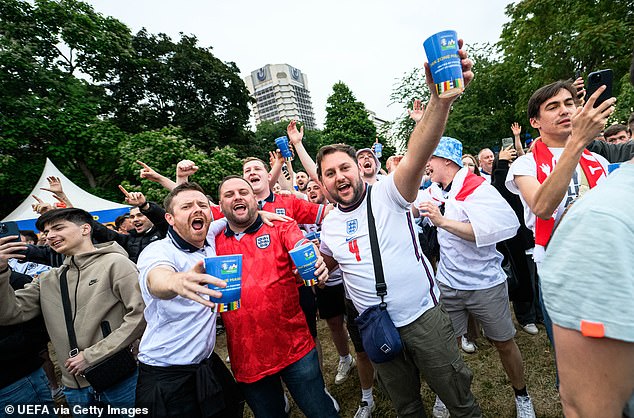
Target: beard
point(358, 188)
point(243, 220)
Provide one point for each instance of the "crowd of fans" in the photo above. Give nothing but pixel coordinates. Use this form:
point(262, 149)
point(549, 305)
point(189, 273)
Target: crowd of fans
point(459, 236)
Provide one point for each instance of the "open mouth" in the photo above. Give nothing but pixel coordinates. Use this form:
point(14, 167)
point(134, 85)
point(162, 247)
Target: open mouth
point(239, 208)
point(367, 165)
point(312, 196)
point(254, 180)
point(198, 224)
point(56, 244)
point(344, 188)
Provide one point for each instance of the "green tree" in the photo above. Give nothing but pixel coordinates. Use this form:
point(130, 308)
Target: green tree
point(548, 41)
point(53, 55)
point(347, 119)
point(162, 149)
point(180, 84)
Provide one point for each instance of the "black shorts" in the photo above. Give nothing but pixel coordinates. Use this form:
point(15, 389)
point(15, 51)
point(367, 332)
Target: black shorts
point(331, 301)
point(353, 329)
point(309, 307)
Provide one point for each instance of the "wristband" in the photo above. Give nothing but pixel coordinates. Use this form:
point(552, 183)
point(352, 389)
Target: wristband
point(5, 270)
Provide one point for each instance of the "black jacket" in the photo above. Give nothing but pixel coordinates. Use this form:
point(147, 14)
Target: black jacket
point(21, 344)
point(614, 153)
point(133, 243)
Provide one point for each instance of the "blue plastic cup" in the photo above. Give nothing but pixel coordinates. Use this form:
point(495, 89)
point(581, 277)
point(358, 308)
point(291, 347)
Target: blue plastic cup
point(378, 149)
point(442, 54)
point(229, 269)
point(304, 257)
point(284, 147)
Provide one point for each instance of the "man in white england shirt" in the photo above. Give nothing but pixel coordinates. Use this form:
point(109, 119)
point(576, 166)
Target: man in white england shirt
point(412, 296)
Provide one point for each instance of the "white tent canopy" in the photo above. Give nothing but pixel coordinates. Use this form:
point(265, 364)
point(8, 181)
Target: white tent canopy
point(103, 210)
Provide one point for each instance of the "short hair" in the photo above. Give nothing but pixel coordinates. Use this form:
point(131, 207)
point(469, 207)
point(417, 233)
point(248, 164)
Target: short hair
point(231, 177)
point(614, 129)
point(120, 220)
point(481, 151)
point(331, 149)
point(167, 203)
point(29, 235)
point(630, 122)
point(74, 215)
point(544, 93)
point(249, 159)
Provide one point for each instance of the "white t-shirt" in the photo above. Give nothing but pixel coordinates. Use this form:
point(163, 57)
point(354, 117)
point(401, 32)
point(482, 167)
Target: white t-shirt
point(526, 166)
point(179, 331)
point(463, 264)
point(411, 290)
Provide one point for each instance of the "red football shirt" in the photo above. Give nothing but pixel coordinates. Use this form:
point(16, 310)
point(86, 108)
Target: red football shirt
point(303, 211)
point(269, 331)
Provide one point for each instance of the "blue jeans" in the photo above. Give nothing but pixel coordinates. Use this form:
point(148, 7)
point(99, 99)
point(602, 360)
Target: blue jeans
point(121, 395)
point(30, 390)
point(306, 384)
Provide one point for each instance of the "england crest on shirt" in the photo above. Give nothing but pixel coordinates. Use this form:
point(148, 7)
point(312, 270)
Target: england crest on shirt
point(263, 241)
point(351, 226)
point(280, 211)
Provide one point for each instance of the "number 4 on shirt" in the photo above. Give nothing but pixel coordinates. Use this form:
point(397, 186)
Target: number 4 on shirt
point(354, 249)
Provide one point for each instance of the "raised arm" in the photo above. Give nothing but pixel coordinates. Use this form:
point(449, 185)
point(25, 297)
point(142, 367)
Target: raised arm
point(276, 161)
point(417, 111)
point(427, 133)
point(587, 122)
point(149, 173)
point(517, 142)
point(295, 137)
point(55, 187)
point(184, 169)
point(154, 212)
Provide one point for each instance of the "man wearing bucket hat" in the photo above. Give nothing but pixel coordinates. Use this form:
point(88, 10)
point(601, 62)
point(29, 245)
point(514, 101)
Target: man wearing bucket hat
point(470, 276)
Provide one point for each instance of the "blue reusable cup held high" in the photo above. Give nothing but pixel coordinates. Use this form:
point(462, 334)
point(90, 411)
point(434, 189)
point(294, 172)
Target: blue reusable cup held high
point(229, 269)
point(378, 149)
point(442, 54)
point(283, 146)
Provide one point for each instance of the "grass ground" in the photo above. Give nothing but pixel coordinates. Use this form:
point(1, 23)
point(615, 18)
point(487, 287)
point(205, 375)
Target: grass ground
point(490, 385)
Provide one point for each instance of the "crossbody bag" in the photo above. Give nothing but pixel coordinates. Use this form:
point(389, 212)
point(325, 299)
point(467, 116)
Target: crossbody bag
point(108, 372)
point(381, 340)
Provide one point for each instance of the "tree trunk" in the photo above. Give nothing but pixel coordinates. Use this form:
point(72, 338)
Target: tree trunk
point(87, 173)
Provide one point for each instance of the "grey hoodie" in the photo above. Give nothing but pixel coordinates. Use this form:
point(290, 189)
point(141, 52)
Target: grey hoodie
point(103, 286)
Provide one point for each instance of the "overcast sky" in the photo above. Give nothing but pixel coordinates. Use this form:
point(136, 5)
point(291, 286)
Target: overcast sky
point(367, 44)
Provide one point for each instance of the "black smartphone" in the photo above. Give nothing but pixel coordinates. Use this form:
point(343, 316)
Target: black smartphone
point(597, 79)
point(9, 228)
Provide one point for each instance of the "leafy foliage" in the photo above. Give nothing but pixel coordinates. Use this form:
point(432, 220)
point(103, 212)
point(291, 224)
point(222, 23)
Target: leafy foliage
point(162, 149)
point(539, 45)
point(347, 120)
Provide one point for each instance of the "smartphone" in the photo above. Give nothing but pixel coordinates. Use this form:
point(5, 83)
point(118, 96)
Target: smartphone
point(597, 79)
point(507, 142)
point(8, 229)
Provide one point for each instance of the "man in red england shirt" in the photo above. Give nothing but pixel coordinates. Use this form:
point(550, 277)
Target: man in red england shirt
point(256, 173)
point(267, 336)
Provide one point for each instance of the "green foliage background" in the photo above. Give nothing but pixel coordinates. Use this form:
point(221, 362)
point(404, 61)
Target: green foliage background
point(79, 88)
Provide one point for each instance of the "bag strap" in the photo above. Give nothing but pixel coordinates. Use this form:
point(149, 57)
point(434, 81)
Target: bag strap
point(68, 314)
point(381, 287)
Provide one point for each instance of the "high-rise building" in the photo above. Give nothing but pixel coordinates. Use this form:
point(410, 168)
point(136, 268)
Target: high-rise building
point(281, 93)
